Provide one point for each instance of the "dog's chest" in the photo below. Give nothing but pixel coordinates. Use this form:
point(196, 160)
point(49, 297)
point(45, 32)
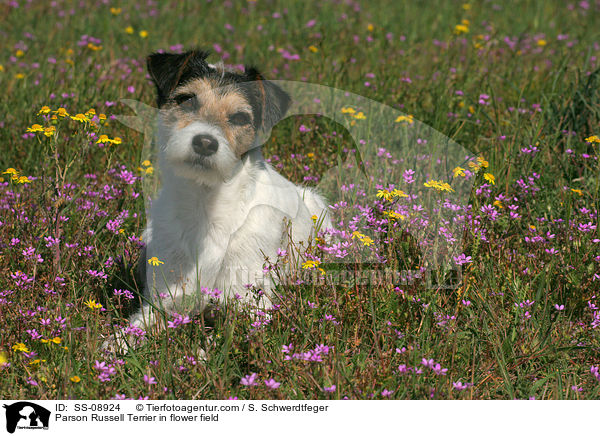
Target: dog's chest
point(230, 225)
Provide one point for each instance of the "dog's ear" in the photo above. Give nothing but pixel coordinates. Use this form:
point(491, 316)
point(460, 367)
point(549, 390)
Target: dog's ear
point(168, 70)
point(270, 102)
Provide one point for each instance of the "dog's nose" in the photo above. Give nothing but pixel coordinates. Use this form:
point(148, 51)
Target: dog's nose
point(205, 145)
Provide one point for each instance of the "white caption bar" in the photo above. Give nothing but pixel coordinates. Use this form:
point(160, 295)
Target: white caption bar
point(150, 417)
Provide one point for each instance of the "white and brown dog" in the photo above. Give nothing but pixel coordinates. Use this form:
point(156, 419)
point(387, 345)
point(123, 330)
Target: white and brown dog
point(222, 210)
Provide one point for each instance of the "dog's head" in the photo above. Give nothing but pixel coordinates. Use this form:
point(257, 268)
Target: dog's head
point(210, 116)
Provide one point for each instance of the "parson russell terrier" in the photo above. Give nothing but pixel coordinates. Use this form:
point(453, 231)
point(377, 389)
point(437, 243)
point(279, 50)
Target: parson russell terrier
point(222, 209)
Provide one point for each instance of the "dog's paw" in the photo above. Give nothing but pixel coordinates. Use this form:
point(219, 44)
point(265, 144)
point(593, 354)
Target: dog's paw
point(116, 344)
point(201, 355)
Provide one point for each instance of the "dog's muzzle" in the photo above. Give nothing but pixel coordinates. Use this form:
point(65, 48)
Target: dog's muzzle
point(205, 145)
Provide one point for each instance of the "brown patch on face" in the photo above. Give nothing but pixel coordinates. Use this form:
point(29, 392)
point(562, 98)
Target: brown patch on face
point(215, 105)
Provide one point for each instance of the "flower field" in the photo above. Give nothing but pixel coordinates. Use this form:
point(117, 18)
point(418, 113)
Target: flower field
point(513, 312)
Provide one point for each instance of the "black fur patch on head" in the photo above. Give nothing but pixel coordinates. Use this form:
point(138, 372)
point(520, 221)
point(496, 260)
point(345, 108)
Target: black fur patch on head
point(169, 70)
point(269, 102)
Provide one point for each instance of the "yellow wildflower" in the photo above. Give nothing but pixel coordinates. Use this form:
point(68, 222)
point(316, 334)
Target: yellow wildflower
point(384, 193)
point(115, 11)
point(310, 264)
point(92, 304)
point(348, 110)
point(577, 191)
point(143, 33)
point(19, 53)
point(313, 48)
point(102, 139)
point(458, 171)
point(367, 241)
point(498, 204)
point(360, 116)
point(23, 180)
point(357, 234)
point(94, 47)
point(593, 139)
point(459, 29)
point(490, 178)
point(363, 238)
point(11, 171)
point(116, 140)
point(61, 112)
point(129, 30)
point(394, 215)
point(19, 76)
point(79, 117)
point(147, 167)
point(35, 128)
point(44, 110)
point(542, 42)
point(370, 27)
point(3, 359)
point(49, 131)
point(446, 187)
point(398, 193)
point(438, 185)
point(474, 166)
point(154, 261)
point(405, 118)
point(20, 347)
point(1, 68)
point(484, 163)
point(75, 379)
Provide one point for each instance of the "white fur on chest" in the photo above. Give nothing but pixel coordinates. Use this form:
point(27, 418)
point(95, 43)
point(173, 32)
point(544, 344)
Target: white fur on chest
point(219, 236)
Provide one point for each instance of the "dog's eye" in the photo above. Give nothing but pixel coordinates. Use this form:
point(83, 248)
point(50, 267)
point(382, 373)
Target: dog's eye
point(240, 119)
point(187, 102)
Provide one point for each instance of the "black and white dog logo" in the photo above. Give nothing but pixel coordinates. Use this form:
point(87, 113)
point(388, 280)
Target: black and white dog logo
point(26, 415)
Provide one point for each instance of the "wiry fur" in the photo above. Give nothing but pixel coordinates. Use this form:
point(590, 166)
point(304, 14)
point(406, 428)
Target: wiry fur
point(217, 218)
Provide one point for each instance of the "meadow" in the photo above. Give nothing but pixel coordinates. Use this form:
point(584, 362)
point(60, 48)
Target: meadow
point(516, 84)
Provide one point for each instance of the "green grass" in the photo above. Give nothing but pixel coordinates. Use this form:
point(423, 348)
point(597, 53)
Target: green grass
point(542, 92)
